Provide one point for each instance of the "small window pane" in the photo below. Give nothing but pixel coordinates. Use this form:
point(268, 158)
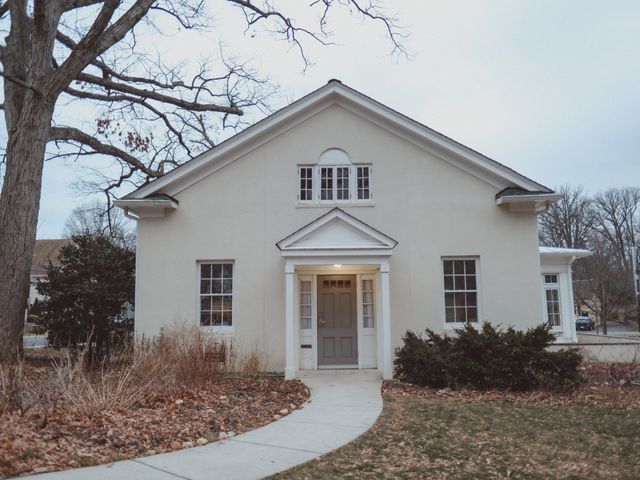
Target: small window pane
point(448, 299)
point(216, 286)
point(470, 266)
point(205, 271)
point(471, 300)
point(216, 302)
point(205, 319)
point(448, 267)
point(205, 286)
point(472, 314)
point(227, 285)
point(448, 282)
point(205, 303)
point(459, 282)
point(450, 315)
point(227, 270)
point(216, 270)
point(458, 267)
point(470, 282)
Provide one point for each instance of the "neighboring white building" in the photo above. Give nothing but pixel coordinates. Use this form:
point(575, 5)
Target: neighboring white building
point(44, 251)
point(322, 233)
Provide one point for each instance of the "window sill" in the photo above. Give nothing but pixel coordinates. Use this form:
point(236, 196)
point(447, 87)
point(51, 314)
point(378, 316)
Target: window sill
point(368, 203)
point(454, 325)
point(224, 331)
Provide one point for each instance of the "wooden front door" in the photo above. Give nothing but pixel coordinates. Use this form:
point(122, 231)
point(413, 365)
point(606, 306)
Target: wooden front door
point(337, 322)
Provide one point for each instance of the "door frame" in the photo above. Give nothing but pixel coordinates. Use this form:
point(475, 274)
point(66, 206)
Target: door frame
point(364, 267)
point(368, 338)
point(356, 319)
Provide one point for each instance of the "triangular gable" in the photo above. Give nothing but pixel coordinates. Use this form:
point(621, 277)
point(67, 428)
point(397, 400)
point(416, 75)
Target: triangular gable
point(335, 232)
point(335, 93)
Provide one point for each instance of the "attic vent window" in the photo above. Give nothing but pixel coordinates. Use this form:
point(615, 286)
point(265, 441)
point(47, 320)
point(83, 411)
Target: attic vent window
point(334, 180)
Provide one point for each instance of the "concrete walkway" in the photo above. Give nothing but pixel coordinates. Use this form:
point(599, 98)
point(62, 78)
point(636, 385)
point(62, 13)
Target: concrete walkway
point(342, 406)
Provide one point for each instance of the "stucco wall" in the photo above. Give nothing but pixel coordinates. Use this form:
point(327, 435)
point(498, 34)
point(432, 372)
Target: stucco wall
point(432, 208)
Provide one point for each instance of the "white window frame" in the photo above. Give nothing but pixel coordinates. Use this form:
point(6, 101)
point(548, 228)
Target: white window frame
point(477, 291)
point(316, 183)
point(547, 286)
point(313, 184)
point(307, 279)
point(218, 329)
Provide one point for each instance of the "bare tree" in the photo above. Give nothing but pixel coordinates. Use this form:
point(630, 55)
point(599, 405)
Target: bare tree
point(96, 218)
point(152, 116)
point(569, 222)
point(599, 281)
point(617, 219)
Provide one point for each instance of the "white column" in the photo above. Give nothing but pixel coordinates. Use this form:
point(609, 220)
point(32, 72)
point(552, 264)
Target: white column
point(385, 322)
point(291, 350)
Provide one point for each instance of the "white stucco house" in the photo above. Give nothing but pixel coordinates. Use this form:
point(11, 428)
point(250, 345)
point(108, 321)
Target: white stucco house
point(322, 233)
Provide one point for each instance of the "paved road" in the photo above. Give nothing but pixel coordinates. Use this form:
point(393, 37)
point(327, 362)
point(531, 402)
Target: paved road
point(34, 341)
point(615, 328)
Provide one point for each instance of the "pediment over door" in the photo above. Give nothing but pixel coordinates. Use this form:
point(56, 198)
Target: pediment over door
point(337, 233)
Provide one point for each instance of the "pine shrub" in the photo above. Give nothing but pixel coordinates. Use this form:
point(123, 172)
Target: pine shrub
point(487, 358)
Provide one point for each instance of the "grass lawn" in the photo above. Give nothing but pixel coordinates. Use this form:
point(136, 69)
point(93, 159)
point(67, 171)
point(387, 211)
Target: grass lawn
point(426, 433)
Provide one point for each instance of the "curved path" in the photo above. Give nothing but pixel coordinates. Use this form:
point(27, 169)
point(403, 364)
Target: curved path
point(342, 406)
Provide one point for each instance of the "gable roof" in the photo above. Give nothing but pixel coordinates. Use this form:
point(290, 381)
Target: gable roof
point(45, 250)
point(336, 232)
point(336, 93)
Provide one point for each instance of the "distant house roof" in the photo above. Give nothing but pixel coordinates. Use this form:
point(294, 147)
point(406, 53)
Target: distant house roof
point(45, 250)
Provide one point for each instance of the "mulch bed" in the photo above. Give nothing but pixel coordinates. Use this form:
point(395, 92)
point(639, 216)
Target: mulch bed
point(38, 442)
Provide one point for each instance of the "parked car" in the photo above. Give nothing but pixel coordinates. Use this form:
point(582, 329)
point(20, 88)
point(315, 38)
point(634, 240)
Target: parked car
point(585, 323)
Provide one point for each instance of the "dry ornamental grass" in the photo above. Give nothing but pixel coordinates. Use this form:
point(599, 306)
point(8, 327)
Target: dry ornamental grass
point(172, 393)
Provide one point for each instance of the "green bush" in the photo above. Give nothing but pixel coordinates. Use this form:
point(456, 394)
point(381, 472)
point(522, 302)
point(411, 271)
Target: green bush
point(87, 296)
point(487, 358)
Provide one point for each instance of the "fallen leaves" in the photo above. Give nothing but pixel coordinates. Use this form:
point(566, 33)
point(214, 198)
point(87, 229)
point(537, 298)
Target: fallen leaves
point(55, 440)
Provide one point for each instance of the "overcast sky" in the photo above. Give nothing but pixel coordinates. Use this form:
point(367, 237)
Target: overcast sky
point(550, 88)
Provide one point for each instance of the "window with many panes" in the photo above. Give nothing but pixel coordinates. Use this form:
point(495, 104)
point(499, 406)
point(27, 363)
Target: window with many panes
point(306, 183)
point(334, 184)
point(363, 190)
point(326, 183)
point(216, 294)
point(368, 315)
point(460, 290)
point(305, 304)
point(552, 299)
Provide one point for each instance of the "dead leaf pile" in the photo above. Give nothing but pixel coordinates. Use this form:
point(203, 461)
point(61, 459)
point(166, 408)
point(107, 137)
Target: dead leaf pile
point(54, 440)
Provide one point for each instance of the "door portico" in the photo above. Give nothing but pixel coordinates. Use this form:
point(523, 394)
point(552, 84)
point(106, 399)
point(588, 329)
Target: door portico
point(337, 244)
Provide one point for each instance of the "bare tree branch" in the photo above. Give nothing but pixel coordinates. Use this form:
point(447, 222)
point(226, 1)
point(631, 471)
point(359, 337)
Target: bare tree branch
point(67, 5)
point(70, 134)
point(160, 97)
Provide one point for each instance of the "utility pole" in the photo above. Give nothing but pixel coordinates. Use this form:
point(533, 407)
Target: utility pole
point(636, 280)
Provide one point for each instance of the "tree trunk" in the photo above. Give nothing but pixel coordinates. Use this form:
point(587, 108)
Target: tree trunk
point(19, 205)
